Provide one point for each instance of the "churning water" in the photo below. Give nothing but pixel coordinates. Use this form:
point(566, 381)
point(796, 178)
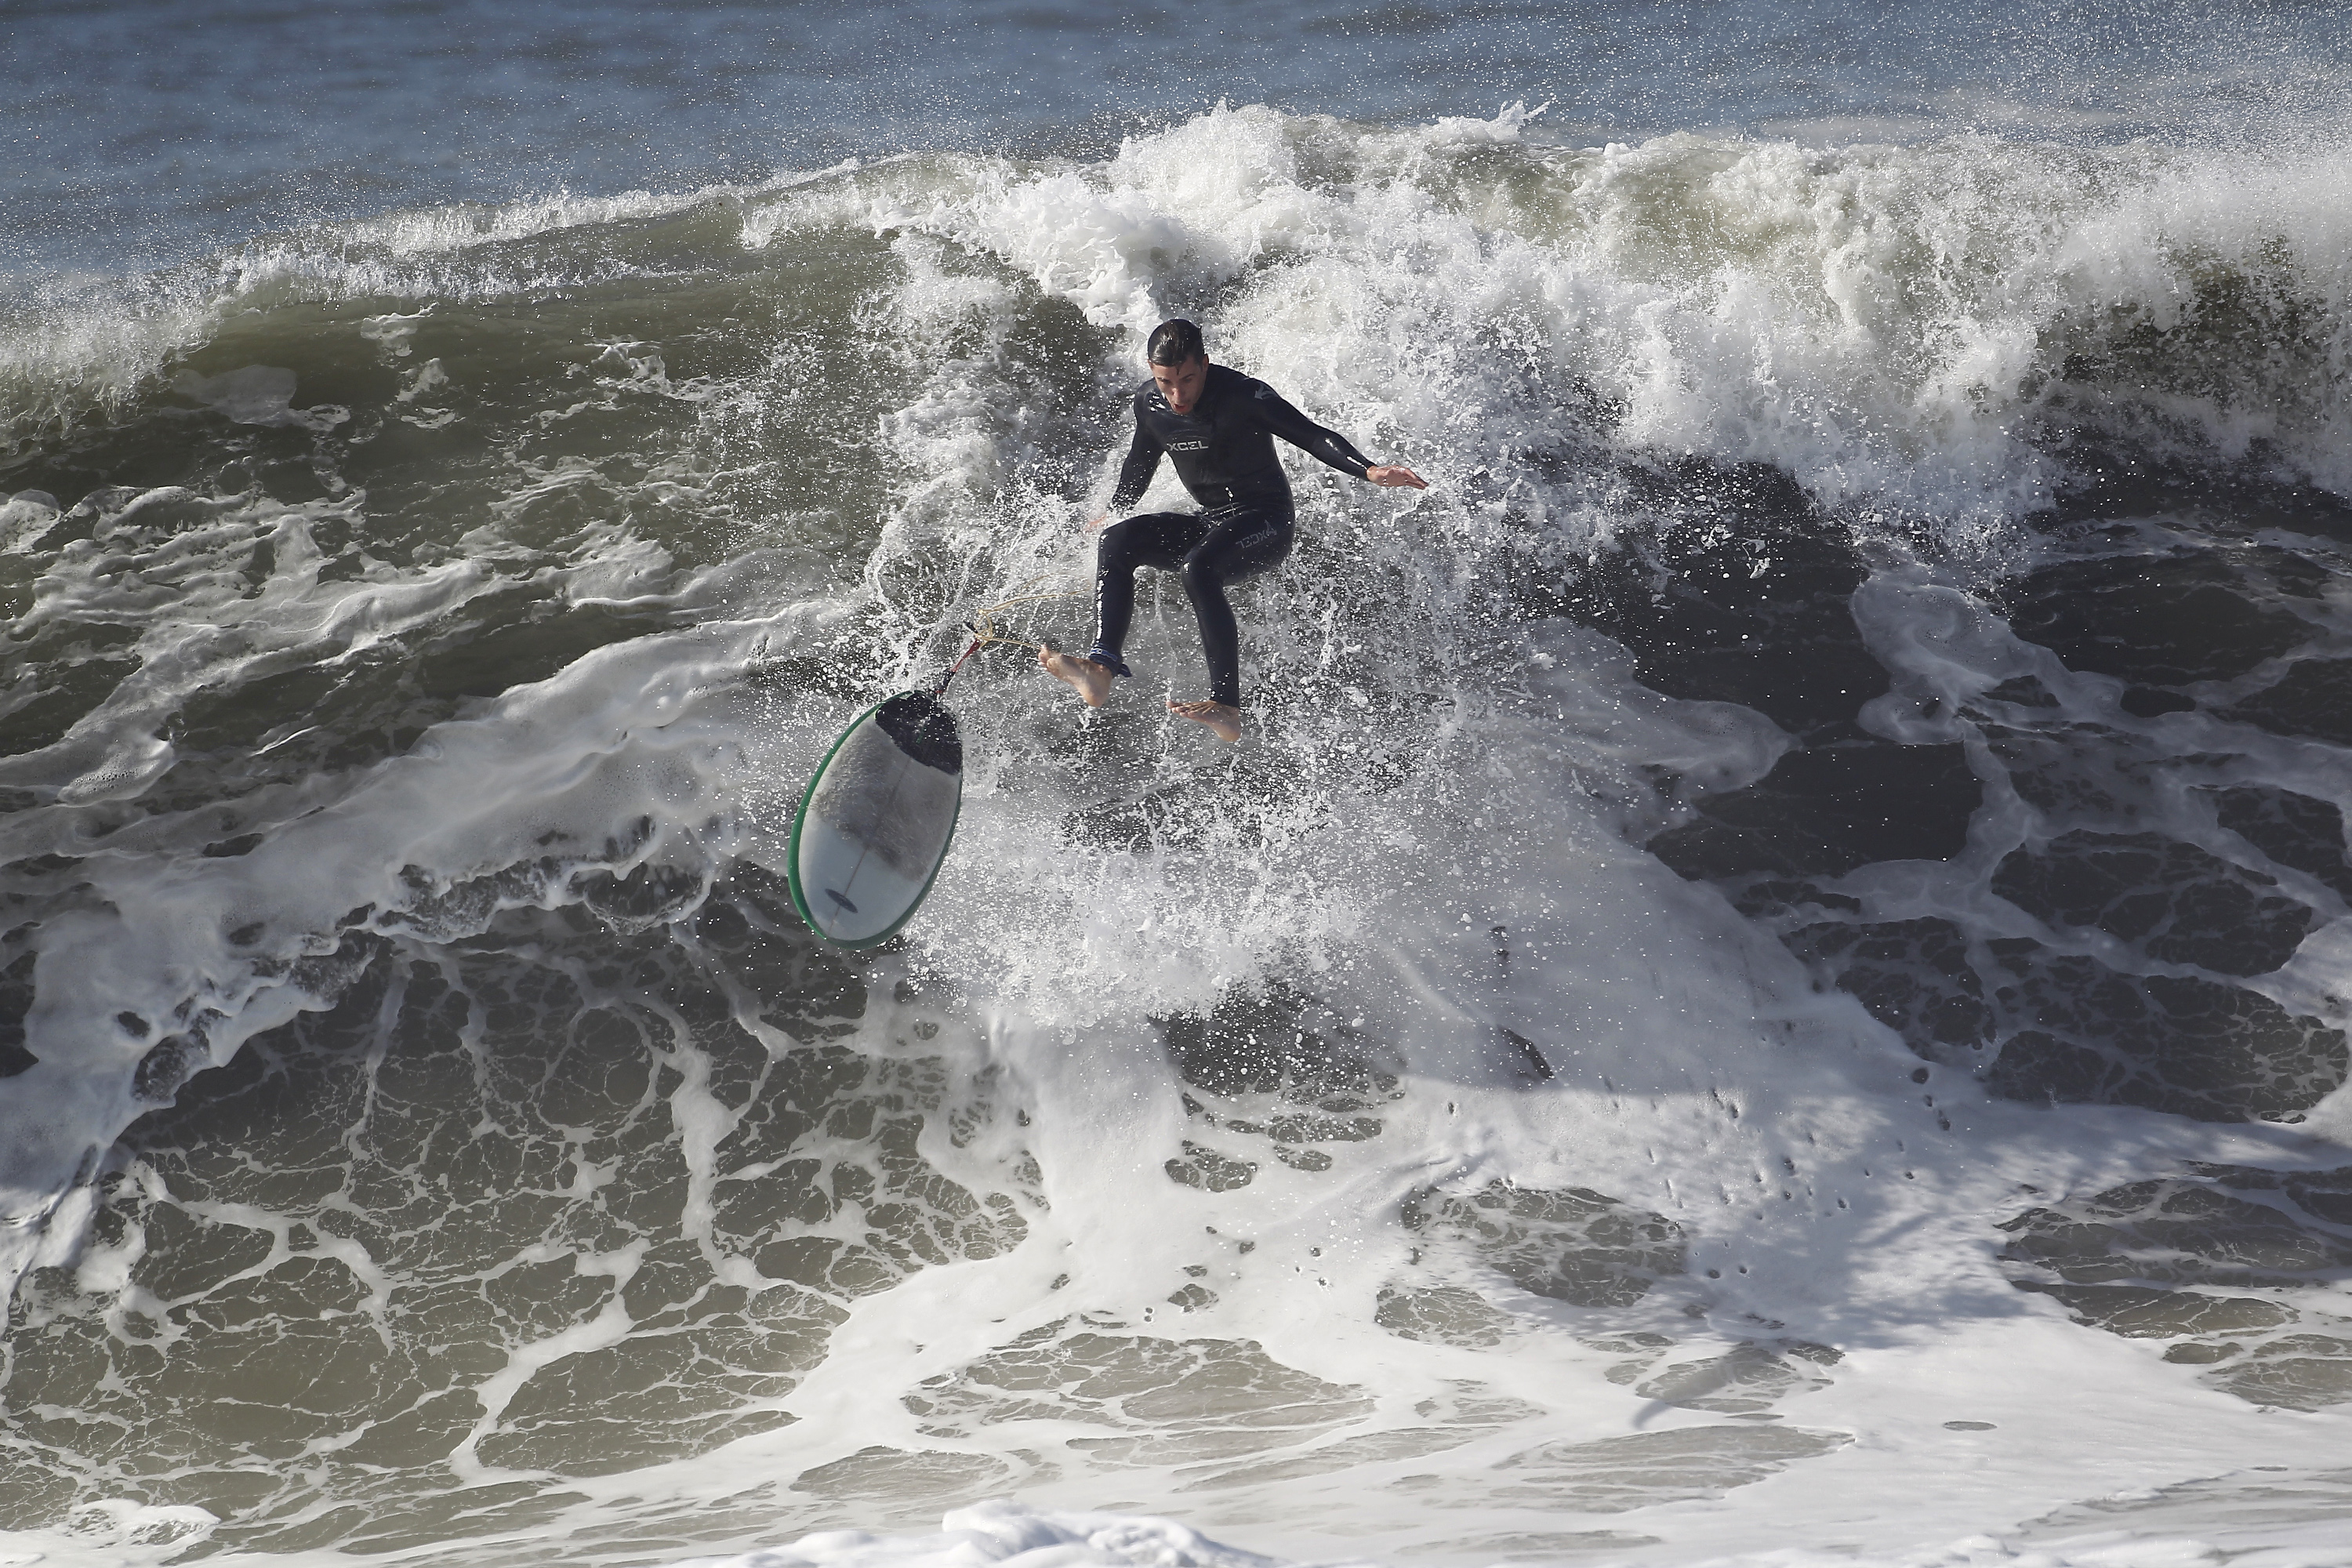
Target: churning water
point(1773, 977)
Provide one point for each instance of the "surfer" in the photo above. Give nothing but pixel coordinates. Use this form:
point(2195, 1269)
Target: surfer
point(1218, 426)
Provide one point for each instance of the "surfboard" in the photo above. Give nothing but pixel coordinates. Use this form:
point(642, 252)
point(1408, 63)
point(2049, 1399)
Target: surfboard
point(876, 821)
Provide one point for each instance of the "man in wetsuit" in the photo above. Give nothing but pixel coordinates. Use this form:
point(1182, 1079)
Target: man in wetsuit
point(1219, 425)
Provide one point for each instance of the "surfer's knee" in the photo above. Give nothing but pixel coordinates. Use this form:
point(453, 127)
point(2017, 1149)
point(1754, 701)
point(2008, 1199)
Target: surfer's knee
point(1122, 538)
point(1203, 580)
point(1111, 546)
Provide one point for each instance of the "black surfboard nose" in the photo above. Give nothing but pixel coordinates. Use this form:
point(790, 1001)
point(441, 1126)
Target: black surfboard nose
point(923, 729)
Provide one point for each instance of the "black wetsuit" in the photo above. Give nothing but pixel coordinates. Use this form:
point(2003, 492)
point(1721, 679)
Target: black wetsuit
point(1223, 452)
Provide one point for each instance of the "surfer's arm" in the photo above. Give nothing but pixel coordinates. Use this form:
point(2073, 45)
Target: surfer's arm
point(1134, 473)
point(1324, 444)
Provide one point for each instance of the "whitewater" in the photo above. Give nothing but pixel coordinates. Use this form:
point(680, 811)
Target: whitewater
point(1769, 986)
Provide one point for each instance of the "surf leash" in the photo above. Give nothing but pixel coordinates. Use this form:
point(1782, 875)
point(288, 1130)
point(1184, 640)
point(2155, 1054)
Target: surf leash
point(978, 641)
point(1026, 593)
point(985, 628)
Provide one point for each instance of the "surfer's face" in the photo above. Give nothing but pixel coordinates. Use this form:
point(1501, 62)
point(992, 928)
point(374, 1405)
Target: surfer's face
point(1180, 385)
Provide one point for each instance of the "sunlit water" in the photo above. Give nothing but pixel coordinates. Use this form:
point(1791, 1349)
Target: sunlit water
point(1773, 976)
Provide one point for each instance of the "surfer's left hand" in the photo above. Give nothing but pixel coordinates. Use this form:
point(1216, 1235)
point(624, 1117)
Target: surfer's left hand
point(1393, 476)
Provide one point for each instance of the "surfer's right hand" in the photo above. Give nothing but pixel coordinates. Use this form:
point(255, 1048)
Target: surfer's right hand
point(1098, 524)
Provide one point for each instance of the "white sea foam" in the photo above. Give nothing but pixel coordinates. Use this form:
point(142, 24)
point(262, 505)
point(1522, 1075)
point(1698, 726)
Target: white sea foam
point(1697, 1075)
point(1007, 1535)
point(1888, 323)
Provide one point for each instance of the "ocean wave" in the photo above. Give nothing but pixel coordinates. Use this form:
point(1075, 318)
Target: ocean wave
point(1930, 329)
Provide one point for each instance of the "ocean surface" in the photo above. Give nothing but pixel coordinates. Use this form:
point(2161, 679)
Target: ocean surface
point(1770, 984)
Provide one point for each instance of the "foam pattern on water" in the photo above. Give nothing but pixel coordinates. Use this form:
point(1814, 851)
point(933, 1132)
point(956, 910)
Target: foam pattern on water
point(1774, 901)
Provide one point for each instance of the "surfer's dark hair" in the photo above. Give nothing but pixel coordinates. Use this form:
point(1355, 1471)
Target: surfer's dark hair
point(1176, 342)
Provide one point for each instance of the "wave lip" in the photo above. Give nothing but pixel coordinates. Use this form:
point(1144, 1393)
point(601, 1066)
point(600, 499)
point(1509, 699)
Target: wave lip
point(1928, 328)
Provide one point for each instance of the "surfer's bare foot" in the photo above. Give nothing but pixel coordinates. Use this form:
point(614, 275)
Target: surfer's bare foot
point(1223, 722)
point(1090, 680)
